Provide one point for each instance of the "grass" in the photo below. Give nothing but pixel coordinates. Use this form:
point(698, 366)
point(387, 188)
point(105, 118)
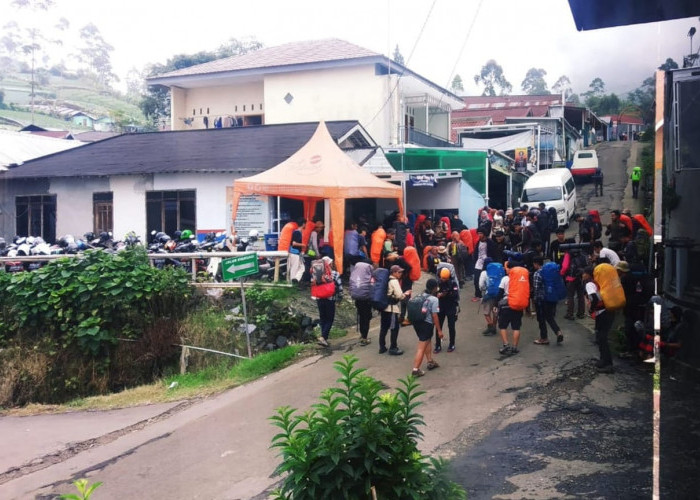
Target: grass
point(205, 382)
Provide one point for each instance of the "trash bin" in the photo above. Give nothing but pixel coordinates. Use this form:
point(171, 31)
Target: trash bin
point(271, 240)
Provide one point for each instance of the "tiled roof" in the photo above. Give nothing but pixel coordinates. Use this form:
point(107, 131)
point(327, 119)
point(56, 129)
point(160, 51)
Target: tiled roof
point(313, 51)
point(247, 150)
point(56, 134)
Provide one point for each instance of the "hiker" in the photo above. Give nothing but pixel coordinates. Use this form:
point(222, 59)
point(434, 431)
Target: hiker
point(448, 296)
point(326, 302)
point(548, 289)
point(390, 315)
point(513, 297)
point(424, 329)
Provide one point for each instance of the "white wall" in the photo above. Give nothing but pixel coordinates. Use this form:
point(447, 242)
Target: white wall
point(353, 93)
point(74, 204)
point(444, 196)
point(129, 204)
point(219, 101)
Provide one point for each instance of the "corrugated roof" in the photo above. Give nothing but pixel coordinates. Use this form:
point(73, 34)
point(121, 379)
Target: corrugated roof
point(243, 149)
point(19, 147)
point(306, 52)
point(509, 101)
point(497, 116)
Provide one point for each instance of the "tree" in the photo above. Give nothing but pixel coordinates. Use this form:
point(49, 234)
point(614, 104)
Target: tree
point(457, 85)
point(96, 54)
point(597, 87)
point(669, 65)
point(397, 57)
point(491, 77)
point(235, 47)
point(643, 98)
point(534, 83)
point(574, 99)
point(29, 42)
point(563, 84)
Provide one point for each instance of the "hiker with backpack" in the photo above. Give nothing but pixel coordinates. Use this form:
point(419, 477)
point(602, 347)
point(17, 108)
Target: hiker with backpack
point(423, 312)
point(390, 260)
point(604, 298)
point(512, 299)
point(390, 314)
point(360, 288)
point(547, 290)
point(575, 260)
point(326, 290)
point(448, 297)
point(489, 282)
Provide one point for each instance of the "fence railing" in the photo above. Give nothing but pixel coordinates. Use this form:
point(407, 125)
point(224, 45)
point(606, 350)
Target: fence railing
point(277, 256)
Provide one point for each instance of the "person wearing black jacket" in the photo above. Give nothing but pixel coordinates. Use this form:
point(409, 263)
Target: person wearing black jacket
point(448, 297)
point(401, 229)
point(484, 247)
point(555, 254)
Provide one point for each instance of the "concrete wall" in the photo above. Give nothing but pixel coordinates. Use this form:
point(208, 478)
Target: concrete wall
point(178, 101)
point(129, 204)
point(239, 100)
point(74, 203)
point(354, 93)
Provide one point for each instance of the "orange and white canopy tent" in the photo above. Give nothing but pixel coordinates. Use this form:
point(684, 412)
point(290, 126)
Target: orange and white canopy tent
point(318, 171)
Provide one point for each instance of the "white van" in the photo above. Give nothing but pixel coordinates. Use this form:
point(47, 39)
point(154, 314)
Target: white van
point(554, 187)
point(585, 163)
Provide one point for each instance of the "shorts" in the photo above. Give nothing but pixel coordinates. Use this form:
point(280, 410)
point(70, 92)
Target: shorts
point(508, 316)
point(424, 330)
point(487, 306)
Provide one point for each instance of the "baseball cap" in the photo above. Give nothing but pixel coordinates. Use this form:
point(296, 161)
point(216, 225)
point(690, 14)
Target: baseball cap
point(395, 268)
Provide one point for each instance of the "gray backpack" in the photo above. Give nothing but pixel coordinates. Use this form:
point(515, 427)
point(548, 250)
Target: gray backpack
point(360, 285)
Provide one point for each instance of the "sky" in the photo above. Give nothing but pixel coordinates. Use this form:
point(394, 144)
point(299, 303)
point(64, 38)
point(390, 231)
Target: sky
point(437, 38)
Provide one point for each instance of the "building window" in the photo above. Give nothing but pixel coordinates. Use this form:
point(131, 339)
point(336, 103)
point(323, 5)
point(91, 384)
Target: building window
point(102, 213)
point(36, 216)
point(170, 211)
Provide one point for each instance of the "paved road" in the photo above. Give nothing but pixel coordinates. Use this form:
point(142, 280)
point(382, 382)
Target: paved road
point(542, 424)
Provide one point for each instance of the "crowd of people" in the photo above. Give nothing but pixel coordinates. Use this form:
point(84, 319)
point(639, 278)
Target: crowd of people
point(524, 242)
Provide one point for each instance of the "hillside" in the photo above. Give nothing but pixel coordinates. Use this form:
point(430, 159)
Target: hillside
point(55, 96)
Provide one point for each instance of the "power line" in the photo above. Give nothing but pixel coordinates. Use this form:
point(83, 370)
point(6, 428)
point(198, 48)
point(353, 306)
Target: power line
point(420, 34)
point(464, 44)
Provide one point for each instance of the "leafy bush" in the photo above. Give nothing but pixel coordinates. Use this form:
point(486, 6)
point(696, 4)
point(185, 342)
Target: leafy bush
point(91, 301)
point(357, 439)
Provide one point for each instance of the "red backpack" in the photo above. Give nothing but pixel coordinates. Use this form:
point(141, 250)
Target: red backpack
point(322, 283)
point(518, 288)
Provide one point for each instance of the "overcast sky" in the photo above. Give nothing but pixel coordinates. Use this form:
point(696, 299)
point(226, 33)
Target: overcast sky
point(437, 39)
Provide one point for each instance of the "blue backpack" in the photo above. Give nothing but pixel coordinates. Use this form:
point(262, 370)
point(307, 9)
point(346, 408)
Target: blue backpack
point(380, 282)
point(494, 272)
point(554, 287)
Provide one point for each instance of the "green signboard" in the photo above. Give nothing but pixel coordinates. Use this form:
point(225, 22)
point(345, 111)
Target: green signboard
point(237, 267)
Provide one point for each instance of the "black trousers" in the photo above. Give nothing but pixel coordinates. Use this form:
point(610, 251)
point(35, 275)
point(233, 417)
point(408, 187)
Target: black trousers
point(389, 321)
point(449, 312)
point(364, 316)
point(546, 311)
point(603, 324)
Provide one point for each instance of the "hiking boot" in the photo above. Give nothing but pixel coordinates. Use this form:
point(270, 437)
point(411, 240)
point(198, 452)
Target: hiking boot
point(365, 341)
point(605, 369)
point(417, 372)
point(504, 350)
point(382, 349)
point(438, 348)
point(432, 365)
point(580, 316)
point(322, 342)
point(451, 348)
point(487, 331)
point(395, 351)
point(513, 350)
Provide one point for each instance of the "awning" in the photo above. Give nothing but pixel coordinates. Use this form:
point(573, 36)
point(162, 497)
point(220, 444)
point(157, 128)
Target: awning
point(507, 143)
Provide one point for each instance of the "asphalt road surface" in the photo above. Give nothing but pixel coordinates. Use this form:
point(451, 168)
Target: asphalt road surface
point(542, 424)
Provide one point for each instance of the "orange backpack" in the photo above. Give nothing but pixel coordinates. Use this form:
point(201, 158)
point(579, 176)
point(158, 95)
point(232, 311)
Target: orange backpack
point(611, 291)
point(518, 288)
point(466, 236)
point(378, 238)
point(410, 254)
point(426, 254)
point(286, 236)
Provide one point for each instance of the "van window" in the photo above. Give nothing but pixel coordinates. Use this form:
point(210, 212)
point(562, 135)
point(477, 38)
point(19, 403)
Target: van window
point(585, 155)
point(570, 186)
point(542, 194)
